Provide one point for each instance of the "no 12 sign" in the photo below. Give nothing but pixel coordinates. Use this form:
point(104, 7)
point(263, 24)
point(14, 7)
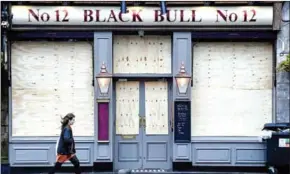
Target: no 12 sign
point(60, 15)
point(248, 16)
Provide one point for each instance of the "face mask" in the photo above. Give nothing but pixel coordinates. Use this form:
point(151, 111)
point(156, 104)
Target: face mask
point(71, 122)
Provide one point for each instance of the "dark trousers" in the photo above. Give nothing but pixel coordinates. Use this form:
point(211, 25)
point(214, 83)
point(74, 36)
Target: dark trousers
point(74, 160)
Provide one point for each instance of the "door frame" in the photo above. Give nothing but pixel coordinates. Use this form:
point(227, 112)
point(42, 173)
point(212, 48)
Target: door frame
point(170, 113)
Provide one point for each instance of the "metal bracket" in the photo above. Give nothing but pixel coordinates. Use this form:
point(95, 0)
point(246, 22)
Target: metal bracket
point(140, 121)
point(172, 125)
point(103, 100)
point(128, 137)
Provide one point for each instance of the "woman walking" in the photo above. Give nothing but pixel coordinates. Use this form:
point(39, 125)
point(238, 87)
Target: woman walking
point(66, 145)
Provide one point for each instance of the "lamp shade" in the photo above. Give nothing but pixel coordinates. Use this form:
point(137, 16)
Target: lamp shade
point(104, 80)
point(182, 80)
point(104, 84)
point(182, 84)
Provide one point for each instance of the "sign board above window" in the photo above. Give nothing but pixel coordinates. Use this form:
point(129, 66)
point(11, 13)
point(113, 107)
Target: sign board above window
point(142, 16)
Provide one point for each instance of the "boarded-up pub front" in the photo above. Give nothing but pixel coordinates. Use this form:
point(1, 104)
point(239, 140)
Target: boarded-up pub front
point(149, 90)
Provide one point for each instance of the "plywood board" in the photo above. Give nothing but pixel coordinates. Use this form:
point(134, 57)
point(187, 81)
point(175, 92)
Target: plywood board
point(149, 54)
point(49, 80)
point(232, 88)
point(156, 104)
point(127, 108)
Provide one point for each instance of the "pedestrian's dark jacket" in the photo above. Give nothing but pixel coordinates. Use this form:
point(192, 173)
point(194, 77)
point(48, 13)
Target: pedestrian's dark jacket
point(66, 144)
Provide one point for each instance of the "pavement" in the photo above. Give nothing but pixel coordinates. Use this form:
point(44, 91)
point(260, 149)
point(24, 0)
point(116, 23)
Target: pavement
point(175, 172)
point(144, 171)
point(166, 173)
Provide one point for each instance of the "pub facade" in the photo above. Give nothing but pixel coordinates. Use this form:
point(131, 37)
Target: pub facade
point(151, 87)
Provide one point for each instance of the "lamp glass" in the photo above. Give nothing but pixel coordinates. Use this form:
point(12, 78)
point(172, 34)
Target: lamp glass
point(182, 84)
point(104, 84)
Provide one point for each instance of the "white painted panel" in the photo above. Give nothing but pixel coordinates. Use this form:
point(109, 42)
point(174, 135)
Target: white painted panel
point(232, 88)
point(49, 80)
point(148, 54)
point(127, 108)
point(156, 104)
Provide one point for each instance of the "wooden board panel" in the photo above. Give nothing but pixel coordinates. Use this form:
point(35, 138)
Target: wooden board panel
point(149, 54)
point(127, 108)
point(156, 108)
point(232, 88)
point(49, 80)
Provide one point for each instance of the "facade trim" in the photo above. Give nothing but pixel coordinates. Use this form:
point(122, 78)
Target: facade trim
point(48, 139)
point(103, 52)
point(271, 35)
point(52, 139)
point(234, 35)
point(133, 28)
point(223, 139)
point(142, 75)
point(49, 34)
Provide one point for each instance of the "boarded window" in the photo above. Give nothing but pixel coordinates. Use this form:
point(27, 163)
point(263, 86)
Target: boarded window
point(49, 80)
point(127, 108)
point(232, 88)
point(146, 55)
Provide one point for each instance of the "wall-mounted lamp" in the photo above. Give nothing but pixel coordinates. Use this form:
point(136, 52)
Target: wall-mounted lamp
point(104, 80)
point(123, 7)
point(182, 80)
point(163, 7)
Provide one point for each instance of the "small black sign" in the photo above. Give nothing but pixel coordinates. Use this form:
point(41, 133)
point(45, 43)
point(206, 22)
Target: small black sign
point(182, 122)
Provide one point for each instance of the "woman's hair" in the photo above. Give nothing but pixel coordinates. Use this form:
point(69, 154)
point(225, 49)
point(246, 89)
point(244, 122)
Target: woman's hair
point(66, 119)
